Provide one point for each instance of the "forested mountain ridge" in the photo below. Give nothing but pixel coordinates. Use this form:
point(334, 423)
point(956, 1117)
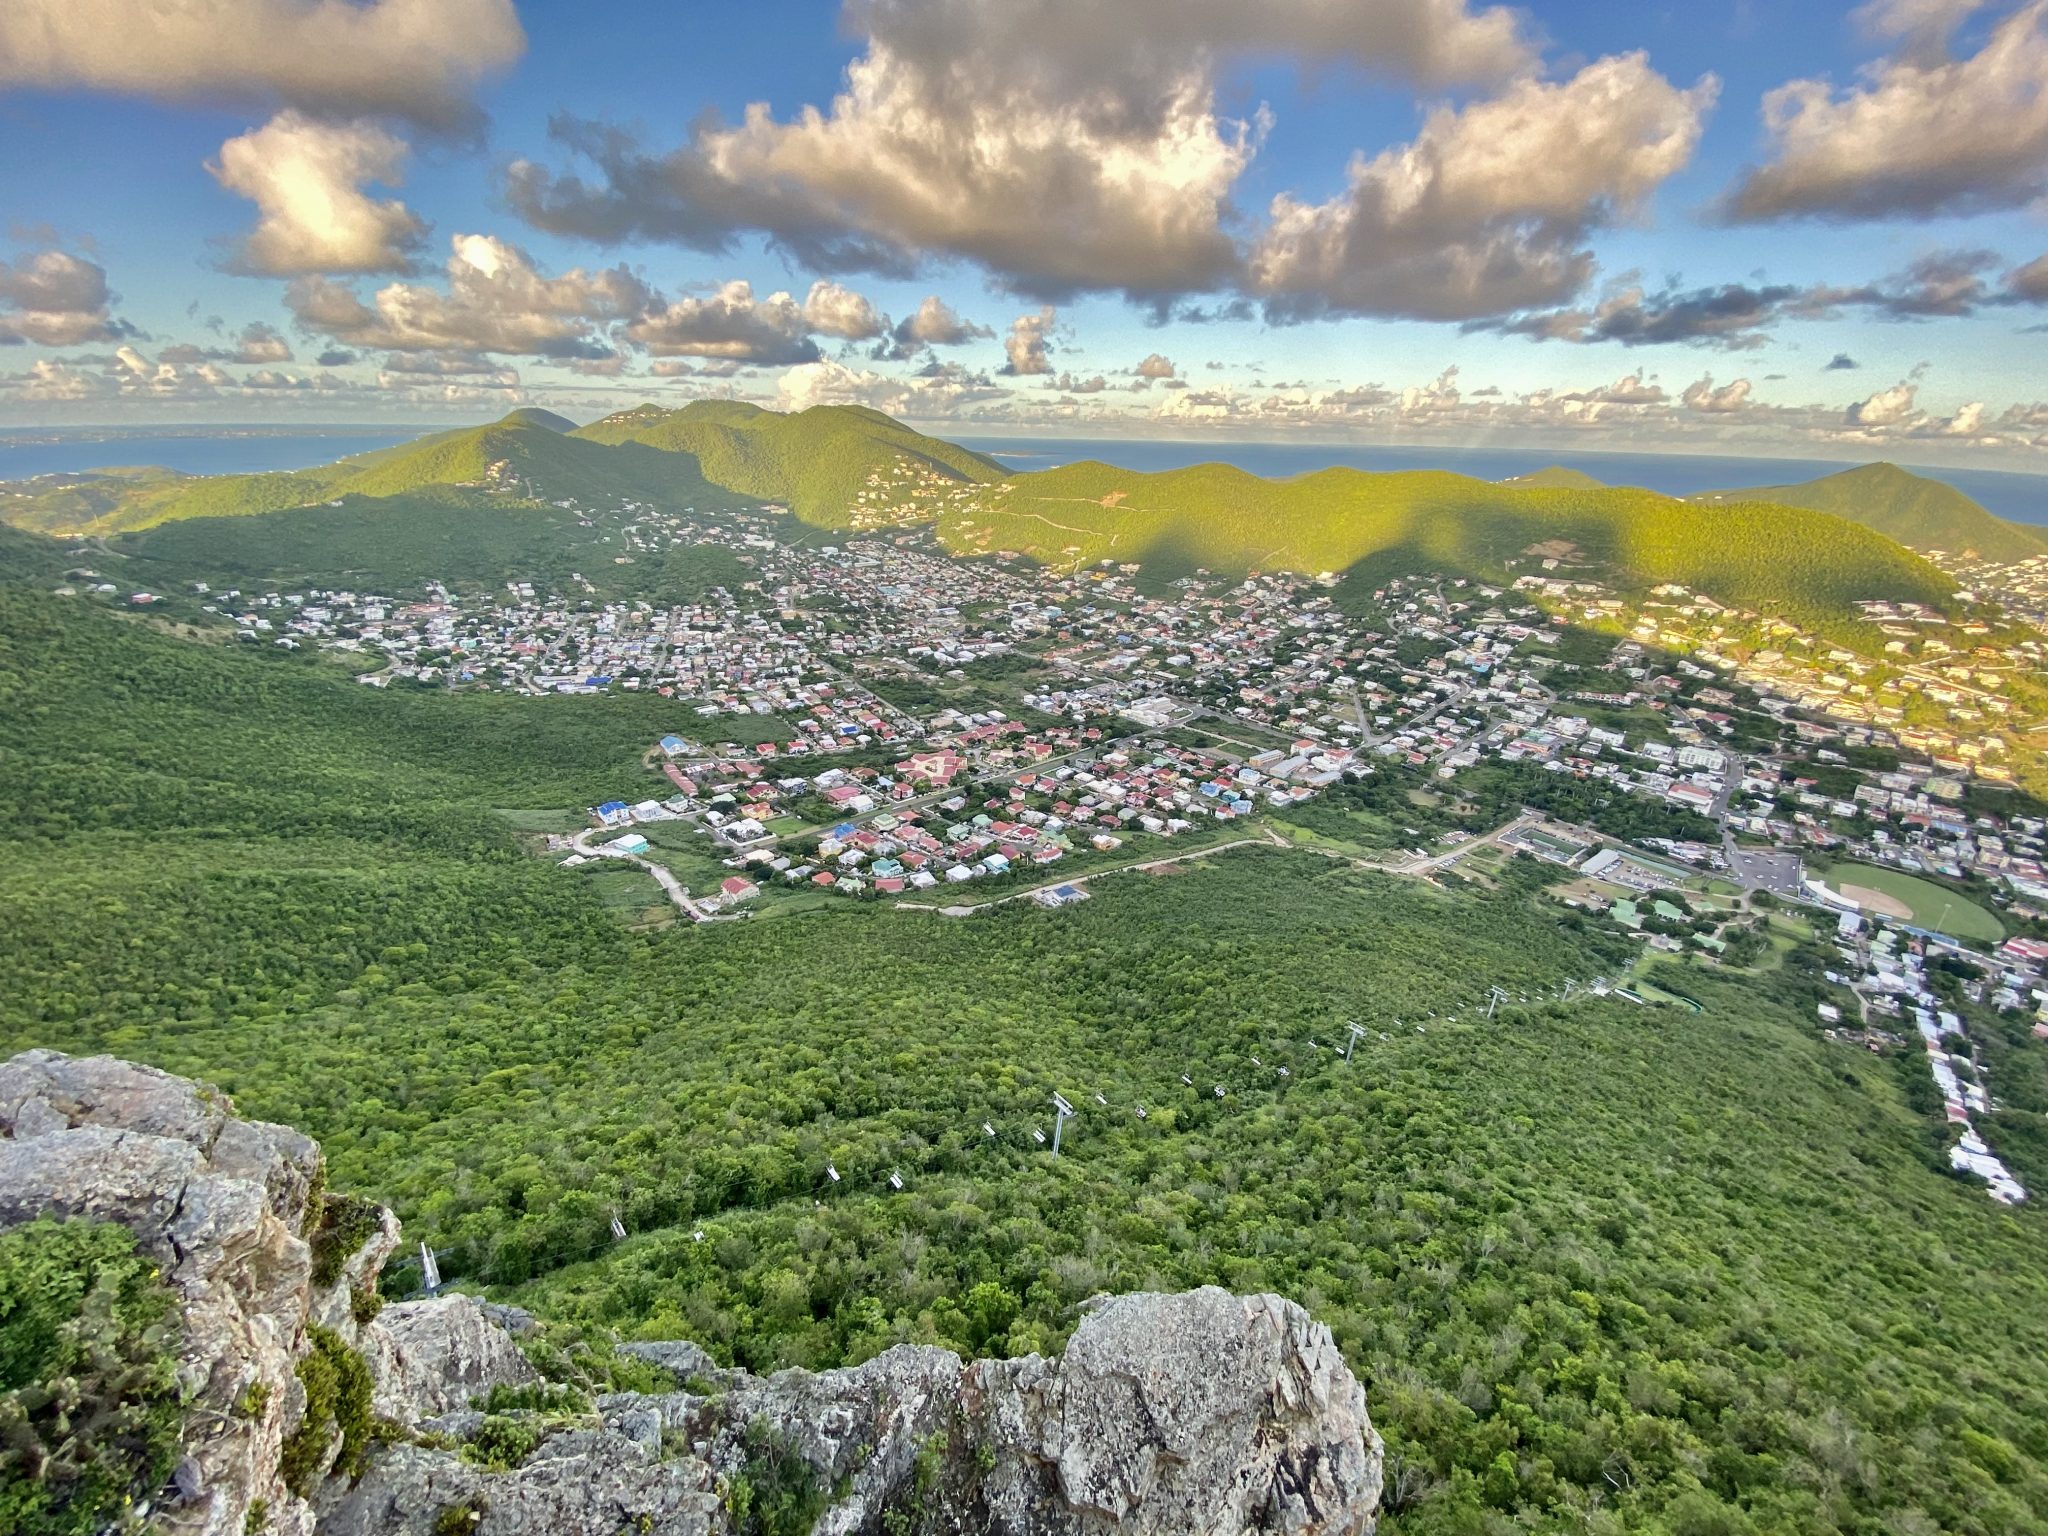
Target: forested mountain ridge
point(523, 457)
point(1219, 517)
point(1596, 1261)
point(816, 462)
point(1916, 511)
point(847, 467)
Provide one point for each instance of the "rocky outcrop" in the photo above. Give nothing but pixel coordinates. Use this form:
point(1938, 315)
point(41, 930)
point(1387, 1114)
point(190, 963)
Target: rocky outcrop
point(221, 1204)
point(1197, 1413)
point(1175, 1415)
point(430, 1357)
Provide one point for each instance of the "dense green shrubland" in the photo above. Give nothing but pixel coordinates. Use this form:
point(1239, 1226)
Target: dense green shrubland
point(1602, 1267)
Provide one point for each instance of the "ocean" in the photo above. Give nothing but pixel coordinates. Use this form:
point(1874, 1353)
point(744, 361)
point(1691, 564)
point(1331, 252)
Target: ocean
point(220, 451)
point(2022, 498)
point(28, 451)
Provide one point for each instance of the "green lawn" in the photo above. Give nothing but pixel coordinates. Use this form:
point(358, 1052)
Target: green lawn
point(1934, 906)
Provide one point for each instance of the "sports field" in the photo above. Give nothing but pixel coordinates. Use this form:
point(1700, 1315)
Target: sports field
point(1922, 903)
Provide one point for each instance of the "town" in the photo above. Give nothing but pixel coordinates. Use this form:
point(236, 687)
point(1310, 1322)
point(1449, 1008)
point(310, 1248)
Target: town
point(861, 715)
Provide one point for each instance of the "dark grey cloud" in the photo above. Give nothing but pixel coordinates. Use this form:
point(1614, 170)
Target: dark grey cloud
point(1731, 316)
point(2029, 284)
point(1737, 316)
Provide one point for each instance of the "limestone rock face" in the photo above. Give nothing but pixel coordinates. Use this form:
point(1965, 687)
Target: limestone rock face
point(220, 1204)
point(1202, 1414)
point(428, 1357)
point(1199, 1412)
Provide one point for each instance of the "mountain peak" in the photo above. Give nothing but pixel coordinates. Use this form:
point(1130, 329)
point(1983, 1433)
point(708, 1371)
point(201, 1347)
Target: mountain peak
point(534, 416)
point(1916, 510)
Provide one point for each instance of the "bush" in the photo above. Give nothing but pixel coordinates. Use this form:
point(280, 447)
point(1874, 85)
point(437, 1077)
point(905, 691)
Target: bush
point(501, 1443)
point(458, 1519)
point(346, 1223)
point(89, 1415)
point(337, 1383)
point(541, 1397)
point(777, 1493)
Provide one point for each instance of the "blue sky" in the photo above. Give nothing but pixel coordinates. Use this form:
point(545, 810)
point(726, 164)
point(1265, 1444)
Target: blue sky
point(1480, 208)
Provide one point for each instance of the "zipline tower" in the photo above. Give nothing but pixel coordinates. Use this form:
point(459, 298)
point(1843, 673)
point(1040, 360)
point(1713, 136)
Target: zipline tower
point(1062, 1110)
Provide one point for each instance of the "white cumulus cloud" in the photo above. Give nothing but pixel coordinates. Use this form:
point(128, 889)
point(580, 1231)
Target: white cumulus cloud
point(55, 299)
point(495, 300)
point(730, 323)
point(1067, 145)
point(306, 178)
point(1486, 210)
point(1702, 395)
point(1028, 346)
point(1921, 134)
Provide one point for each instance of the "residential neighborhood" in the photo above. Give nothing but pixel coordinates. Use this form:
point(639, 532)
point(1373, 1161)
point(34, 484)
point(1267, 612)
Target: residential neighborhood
point(861, 715)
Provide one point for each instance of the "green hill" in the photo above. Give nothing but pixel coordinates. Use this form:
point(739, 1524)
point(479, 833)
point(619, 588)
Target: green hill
point(528, 455)
point(1215, 516)
point(534, 416)
point(826, 465)
point(850, 467)
point(1916, 511)
point(442, 533)
point(818, 462)
point(31, 557)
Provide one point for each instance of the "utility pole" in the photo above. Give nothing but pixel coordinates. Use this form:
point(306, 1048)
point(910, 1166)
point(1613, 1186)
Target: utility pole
point(1061, 1110)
